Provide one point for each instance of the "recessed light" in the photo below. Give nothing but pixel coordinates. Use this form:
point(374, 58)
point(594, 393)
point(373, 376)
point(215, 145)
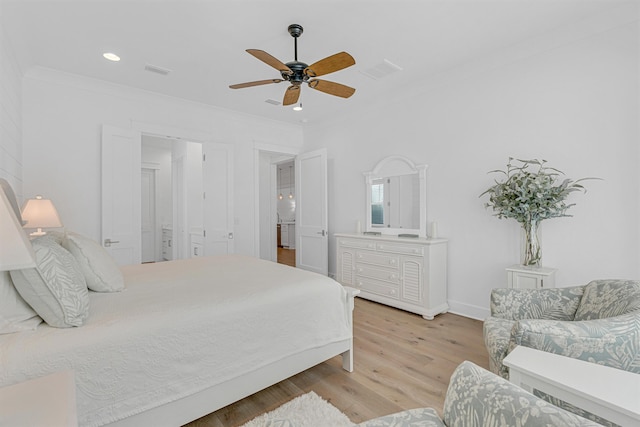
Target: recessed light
point(111, 56)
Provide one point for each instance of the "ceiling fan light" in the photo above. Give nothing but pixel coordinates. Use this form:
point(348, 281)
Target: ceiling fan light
point(298, 107)
point(111, 56)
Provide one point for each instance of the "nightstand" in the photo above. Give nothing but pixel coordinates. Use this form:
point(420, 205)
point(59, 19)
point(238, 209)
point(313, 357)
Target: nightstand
point(44, 401)
point(521, 277)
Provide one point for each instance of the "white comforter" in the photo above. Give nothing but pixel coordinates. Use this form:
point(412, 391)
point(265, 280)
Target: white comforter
point(180, 327)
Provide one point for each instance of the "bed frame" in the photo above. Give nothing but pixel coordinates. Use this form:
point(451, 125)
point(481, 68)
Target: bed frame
point(190, 408)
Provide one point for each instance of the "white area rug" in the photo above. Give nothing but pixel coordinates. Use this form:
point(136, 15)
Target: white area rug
point(308, 410)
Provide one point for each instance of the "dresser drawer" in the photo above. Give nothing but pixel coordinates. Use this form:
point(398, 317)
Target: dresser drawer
point(392, 276)
point(376, 287)
point(374, 258)
point(359, 244)
point(396, 248)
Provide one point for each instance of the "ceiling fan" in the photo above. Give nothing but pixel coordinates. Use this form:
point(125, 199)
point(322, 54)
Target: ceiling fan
point(297, 72)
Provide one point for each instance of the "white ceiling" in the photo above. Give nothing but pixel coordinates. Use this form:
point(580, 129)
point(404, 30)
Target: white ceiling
point(203, 42)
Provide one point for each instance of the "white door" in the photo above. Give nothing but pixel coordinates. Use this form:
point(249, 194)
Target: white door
point(148, 216)
point(217, 176)
point(121, 181)
point(312, 239)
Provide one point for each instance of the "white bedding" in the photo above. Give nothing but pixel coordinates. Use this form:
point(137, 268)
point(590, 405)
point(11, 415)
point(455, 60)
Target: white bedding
point(180, 327)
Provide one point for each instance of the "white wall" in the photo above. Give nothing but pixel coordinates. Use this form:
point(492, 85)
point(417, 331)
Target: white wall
point(63, 115)
point(10, 115)
point(570, 97)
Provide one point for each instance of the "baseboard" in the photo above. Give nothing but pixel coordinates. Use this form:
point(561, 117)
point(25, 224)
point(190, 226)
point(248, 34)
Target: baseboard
point(468, 310)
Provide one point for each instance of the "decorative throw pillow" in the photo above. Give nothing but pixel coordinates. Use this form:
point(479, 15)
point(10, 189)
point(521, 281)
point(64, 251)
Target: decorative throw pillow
point(15, 313)
point(56, 288)
point(100, 270)
point(609, 298)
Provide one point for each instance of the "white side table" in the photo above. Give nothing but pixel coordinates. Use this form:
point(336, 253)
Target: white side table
point(610, 393)
point(521, 277)
point(45, 401)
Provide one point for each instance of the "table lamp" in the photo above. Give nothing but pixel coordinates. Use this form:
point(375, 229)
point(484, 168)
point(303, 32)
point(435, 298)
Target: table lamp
point(40, 213)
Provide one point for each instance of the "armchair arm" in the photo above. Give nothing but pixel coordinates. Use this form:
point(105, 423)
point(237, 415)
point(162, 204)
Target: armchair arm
point(477, 397)
point(552, 303)
point(614, 341)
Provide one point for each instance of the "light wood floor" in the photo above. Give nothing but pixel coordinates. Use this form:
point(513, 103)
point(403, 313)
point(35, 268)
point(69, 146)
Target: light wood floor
point(287, 256)
point(402, 361)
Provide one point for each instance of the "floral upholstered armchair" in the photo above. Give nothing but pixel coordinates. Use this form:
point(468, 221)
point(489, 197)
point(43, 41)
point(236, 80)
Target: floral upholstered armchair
point(598, 322)
point(479, 398)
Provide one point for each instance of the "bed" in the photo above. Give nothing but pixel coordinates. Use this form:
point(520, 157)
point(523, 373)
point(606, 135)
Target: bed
point(188, 337)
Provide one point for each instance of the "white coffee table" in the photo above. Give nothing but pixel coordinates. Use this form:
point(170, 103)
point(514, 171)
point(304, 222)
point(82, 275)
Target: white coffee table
point(46, 401)
point(610, 393)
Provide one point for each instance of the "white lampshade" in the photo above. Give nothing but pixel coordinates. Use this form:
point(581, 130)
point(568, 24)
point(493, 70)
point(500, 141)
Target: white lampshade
point(16, 252)
point(40, 213)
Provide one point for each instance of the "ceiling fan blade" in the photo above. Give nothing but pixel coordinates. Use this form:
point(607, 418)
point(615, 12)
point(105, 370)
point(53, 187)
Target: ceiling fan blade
point(291, 95)
point(256, 83)
point(269, 60)
point(330, 64)
point(332, 88)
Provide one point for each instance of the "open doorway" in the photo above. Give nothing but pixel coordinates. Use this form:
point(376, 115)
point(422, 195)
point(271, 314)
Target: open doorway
point(309, 190)
point(286, 213)
point(171, 196)
point(277, 209)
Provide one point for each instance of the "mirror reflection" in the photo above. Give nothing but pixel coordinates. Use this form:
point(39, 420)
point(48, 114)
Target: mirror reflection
point(395, 202)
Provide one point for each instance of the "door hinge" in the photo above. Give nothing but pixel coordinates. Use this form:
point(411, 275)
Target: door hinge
point(204, 157)
point(204, 233)
point(204, 194)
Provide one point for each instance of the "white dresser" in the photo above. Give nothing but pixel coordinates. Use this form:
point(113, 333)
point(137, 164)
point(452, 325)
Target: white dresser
point(407, 273)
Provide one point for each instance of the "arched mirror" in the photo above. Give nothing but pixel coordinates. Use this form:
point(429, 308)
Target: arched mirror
point(396, 191)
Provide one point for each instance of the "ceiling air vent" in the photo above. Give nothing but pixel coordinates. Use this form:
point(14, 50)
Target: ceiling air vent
point(381, 70)
point(156, 69)
point(272, 102)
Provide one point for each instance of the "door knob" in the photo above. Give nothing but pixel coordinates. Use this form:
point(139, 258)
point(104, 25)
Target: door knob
point(108, 242)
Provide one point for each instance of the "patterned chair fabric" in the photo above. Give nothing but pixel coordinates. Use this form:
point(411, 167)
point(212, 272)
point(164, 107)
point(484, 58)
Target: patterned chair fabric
point(478, 398)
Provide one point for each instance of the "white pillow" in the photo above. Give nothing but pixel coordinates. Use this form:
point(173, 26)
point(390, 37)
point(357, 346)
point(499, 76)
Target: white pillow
point(99, 269)
point(56, 288)
point(15, 313)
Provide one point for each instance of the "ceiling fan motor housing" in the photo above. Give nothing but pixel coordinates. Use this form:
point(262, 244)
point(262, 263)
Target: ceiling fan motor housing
point(298, 76)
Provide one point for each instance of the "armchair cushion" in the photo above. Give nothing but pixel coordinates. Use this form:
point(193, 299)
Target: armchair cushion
point(613, 341)
point(608, 298)
point(553, 303)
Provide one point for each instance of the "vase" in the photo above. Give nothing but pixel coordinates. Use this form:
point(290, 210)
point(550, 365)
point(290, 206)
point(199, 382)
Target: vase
point(531, 250)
